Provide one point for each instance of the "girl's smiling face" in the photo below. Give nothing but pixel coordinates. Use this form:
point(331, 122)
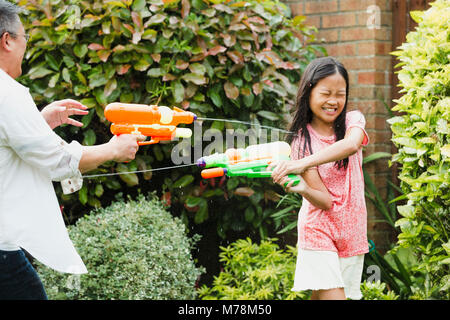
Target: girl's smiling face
point(327, 100)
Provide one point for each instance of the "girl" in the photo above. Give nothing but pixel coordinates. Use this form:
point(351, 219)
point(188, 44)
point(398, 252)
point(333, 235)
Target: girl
point(326, 146)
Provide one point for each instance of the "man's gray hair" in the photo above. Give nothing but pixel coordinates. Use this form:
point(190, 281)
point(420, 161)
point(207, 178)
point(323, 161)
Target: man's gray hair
point(9, 17)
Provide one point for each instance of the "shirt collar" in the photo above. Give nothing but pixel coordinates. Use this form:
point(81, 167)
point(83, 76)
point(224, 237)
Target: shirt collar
point(5, 76)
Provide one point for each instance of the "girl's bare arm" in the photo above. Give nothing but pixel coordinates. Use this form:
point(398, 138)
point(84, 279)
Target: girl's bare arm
point(311, 188)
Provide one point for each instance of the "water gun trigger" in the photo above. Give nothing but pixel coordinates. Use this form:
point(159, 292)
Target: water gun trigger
point(146, 143)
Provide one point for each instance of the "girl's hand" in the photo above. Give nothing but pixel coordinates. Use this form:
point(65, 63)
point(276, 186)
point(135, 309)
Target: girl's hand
point(282, 168)
point(300, 188)
point(58, 112)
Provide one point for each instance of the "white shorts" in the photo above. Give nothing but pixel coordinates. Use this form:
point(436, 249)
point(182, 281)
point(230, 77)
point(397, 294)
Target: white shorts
point(320, 270)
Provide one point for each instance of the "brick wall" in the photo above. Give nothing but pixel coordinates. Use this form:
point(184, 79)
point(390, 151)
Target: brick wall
point(359, 34)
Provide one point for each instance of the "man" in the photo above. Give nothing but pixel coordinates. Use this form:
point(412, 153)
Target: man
point(31, 157)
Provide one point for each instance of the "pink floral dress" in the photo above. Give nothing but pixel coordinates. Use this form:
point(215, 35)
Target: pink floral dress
point(343, 228)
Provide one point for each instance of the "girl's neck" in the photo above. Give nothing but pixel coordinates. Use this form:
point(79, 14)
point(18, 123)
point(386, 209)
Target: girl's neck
point(322, 128)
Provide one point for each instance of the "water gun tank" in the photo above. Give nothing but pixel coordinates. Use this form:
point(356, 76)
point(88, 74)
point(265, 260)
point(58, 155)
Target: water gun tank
point(268, 150)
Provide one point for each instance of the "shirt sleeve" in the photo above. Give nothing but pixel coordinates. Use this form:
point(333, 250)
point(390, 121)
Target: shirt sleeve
point(25, 130)
point(356, 119)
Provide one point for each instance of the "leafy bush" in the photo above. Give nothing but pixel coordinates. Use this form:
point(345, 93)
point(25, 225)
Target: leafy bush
point(132, 250)
point(254, 272)
point(264, 271)
point(221, 59)
point(376, 291)
point(421, 134)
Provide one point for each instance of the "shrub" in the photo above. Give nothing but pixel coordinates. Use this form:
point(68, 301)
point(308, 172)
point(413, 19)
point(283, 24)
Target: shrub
point(376, 291)
point(421, 133)
point(264, 271)
point(132, 250)
point(254, 272)
point(221, 59)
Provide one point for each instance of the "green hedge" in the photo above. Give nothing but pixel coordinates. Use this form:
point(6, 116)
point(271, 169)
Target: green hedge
point(132, 250)
point(421, 133)
point(220, 59)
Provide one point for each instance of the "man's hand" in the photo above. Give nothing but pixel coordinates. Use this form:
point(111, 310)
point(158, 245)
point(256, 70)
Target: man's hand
point(125, 146)
point(58, 112)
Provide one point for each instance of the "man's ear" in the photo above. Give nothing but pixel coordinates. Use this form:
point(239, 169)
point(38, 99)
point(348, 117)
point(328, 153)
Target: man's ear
point(5, 42)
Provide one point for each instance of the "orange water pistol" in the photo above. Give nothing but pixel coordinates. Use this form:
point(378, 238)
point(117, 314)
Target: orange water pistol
point(158, 122)
point(249, 162)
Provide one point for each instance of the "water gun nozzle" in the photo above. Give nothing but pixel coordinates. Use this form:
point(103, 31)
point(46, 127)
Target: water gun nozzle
point(201, 163)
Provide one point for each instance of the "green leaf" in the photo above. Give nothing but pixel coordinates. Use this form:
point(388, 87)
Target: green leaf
point(83, 194)
point(178, 91)
point(183, 181)
point(97, 79)
point(194, 78)
point(445, 150)
point(407, 211)
point(202, 214)
point(156, 19)
point(142, 65)
point(38, 72)
point(158, 152)
point(89, 102)
point(68, 61)
point(98, 190)
point(52, 62)
point(249, 100)
point(376, 156)
point(192, 201)
point(150, 34)
point(89, 137)
point(199, 4)
point(214, 94)
point(66, 75)
point(155, 72)
point(197, 68)
point(138, 5)
point(80, 50)
point(86, 120)
point(268, 115)
point(416, 15)
point(116, 4)
point(131, 179)
point(249, 214)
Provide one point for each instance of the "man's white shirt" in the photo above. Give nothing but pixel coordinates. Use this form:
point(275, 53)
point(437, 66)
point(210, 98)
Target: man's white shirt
point(31, 157)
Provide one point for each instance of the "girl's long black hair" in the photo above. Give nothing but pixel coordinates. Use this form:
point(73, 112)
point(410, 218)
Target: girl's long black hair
point(317, 70)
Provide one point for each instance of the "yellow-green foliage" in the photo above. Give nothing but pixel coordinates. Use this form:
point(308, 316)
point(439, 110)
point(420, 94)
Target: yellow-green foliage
point(421, 133)
point(254, 272)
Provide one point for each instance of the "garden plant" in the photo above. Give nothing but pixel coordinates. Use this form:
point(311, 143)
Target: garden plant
point(421, 132)
point(133, 250)
point(263, 271)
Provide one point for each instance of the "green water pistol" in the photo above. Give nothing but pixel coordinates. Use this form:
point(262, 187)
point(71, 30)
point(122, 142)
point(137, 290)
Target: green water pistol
point(249, 162)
